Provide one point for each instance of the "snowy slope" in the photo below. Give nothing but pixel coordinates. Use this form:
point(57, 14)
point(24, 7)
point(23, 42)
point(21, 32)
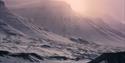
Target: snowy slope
point(22, 40)
point(59, 18)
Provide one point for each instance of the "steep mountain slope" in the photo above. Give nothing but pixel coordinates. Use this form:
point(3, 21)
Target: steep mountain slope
point(22, 41)
point(59, 18)
point(18, 35)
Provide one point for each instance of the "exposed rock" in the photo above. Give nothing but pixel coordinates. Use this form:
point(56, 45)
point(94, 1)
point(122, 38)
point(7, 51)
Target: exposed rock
point(58, 58)
point(33, 57)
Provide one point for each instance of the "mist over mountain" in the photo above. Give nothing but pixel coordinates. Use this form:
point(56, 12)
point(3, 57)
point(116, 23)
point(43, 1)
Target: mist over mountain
point(58, 17)
point(28, 40)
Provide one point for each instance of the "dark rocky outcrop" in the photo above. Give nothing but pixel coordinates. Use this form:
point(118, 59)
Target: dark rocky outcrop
point(3, 53)
point(33, 57)
point(110, 58)
point(57, 58)
point(28, 56)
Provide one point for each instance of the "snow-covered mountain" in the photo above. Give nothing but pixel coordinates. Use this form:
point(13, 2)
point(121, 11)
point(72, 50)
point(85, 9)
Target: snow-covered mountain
point(22, 41)
point(58, 17)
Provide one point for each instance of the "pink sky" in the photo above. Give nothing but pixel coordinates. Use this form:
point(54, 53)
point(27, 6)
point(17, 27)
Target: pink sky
point(116, 8)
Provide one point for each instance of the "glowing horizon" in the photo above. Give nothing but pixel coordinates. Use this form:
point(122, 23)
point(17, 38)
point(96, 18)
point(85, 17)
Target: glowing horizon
point(95, 8)
point(77, 5)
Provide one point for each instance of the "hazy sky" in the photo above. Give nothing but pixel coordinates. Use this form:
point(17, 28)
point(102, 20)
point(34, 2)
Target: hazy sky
point(116, 8)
